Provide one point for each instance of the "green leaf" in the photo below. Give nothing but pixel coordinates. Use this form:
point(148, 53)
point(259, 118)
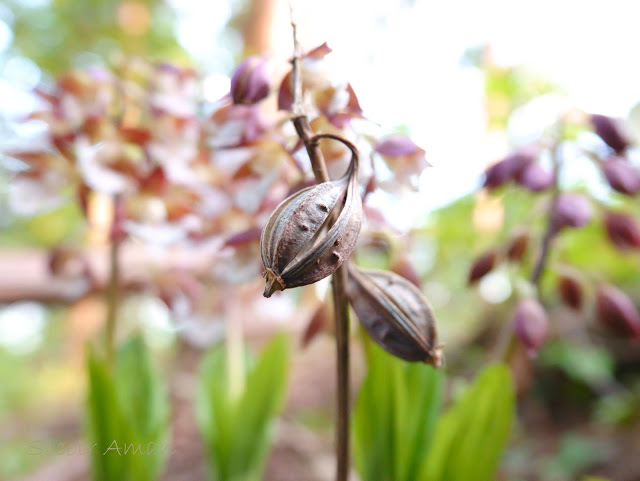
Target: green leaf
point(471, 436)
point(128, 416)
point(238, 430)
point(104, 420)
point(395, 416)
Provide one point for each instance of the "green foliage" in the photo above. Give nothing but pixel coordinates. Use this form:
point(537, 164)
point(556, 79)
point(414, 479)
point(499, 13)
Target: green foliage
point(237, 426)
point(397, 433)
point(592, 365)
point(473, 433)
point(395, 416)
point(128, 416)
point(53, 33)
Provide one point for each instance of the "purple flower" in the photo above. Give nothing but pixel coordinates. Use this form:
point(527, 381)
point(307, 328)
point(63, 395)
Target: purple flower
point(570, 210)
point(610, 130)
point(482, 266)
point(621, 175)
point(250, 82)
point(570, 291)
point(535, 178)
point(531, 325)
point(617, 312)
point(509, 168)
point(622, 230)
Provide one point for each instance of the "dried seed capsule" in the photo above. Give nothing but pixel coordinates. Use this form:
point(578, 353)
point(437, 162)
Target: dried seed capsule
point(395, 314)
point(298, 246)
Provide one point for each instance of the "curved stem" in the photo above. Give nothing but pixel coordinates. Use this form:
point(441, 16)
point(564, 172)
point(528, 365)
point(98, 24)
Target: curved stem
point(339, 278)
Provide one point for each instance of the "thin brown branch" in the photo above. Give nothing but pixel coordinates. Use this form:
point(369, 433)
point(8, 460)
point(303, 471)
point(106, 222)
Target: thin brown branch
point(339, 278)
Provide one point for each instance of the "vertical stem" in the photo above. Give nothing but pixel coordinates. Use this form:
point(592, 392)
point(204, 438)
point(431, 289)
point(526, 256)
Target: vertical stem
point(339, 278)
point(113, 289)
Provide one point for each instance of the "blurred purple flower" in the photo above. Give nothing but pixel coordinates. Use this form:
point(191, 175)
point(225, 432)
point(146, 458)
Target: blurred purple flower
point(404, 158)
point(482, 266)
point(531, 325)
point(616, 311)
point(250, 82)
point(622, 230)
point(610, 131)
point(621, 175)
point(509, 168)
point(535, 178)
point(570, 291)
point(570, 210)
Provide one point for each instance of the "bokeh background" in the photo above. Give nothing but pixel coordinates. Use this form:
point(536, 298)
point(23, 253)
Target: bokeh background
point(467, 80)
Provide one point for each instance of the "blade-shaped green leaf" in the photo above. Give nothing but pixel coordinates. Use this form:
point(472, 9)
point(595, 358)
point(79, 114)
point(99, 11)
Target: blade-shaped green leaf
point(128, 416)
point(471, 436)
point(104, 422)
point(238, 431)
point(395, 416)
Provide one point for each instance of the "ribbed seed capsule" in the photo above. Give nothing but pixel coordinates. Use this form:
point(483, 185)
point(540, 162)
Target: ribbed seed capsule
point(395, 314)
point(298, 247)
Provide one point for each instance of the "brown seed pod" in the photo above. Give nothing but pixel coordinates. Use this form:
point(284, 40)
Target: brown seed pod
point(395, 314)
point(298, 245)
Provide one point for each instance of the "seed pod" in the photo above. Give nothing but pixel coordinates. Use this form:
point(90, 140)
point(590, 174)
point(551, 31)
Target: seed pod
point(610, 130)
point(298, 247)
point(482, 266)
point(570, 291)
point(395, 314)
point(616, 311)
point(622, 230)
point(531, 325)
point(621, 175)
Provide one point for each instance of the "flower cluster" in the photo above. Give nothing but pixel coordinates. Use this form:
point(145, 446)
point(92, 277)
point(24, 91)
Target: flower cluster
point(182, 171)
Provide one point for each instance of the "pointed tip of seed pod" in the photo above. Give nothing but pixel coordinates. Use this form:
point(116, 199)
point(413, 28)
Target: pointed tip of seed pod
point(274, 283)
point(435, 358)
